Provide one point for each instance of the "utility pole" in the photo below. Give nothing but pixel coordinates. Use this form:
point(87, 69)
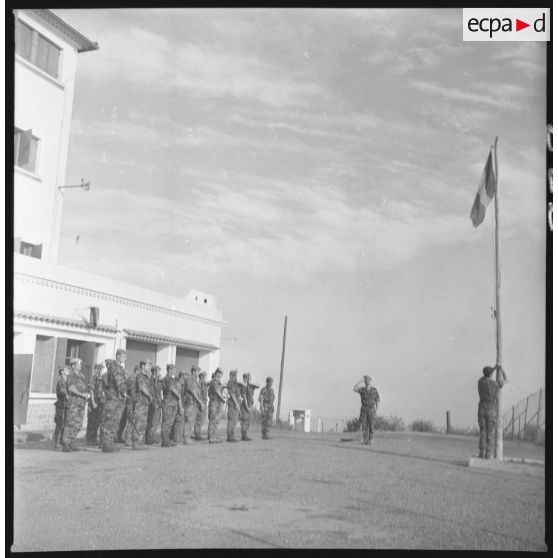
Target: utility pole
point(281, 376)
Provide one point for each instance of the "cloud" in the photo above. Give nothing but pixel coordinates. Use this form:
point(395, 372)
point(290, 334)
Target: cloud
point(500, 95)
point(186, 69)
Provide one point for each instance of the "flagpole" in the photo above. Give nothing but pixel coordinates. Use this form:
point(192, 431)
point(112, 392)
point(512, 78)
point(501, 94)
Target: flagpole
point(281, 377)
point(499, 446)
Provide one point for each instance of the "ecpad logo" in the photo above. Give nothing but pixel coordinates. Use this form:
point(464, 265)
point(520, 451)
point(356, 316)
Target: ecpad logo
point(506, 24)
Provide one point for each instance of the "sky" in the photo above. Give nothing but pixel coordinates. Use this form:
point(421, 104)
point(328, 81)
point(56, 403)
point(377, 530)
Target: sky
point(320, 164)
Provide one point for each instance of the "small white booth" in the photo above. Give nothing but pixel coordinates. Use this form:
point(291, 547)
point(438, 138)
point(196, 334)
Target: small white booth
point(299, 419)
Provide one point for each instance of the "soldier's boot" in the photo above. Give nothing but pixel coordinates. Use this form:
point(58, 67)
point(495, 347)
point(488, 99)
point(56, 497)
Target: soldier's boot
point(73, 447)
point(232, 439)
point(66, 447)
point(139, 446)
point(246, 438)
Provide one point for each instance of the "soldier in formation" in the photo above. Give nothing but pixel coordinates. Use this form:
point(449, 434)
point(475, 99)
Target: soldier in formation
point(154, 412)
point(488, 409)
point(60, 404)
point(191, 402)
point(233, 405)
point(78, 396)
point(114, 385)
point(370, 399)
point(172, 405)
point(202, 409)
point(216, 401)
point(247, 402)
point(267, 400)
point(130, 407)
point(95, 405)
point(142, 396)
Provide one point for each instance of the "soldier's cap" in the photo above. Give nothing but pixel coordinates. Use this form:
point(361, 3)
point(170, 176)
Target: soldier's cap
point(487, 370)
point(218, 371)
point(367, 378)
point(203, 373)
point(171, 366)
point(269, 379)
point(62, 368)
point(195, 368)
point(157, 367)
point(75, 360)
point(233, 372)
point(246, 375)
point(121, 352)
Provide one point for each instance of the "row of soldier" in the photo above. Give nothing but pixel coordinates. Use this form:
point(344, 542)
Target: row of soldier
point(128, 408)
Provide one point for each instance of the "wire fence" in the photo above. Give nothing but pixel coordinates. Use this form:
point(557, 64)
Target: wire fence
point(526, 420)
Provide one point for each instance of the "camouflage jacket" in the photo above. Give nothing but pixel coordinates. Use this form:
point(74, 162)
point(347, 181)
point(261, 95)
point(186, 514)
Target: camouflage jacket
point(78, 380)
point(115, 382)
point(369, 397)
point(215, 387)
point(267, 397)
point(191, 386)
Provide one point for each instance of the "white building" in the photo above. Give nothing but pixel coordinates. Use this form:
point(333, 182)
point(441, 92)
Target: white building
point(59, 312)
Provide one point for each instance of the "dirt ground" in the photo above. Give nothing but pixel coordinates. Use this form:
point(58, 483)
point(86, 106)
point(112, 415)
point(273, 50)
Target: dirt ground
point(406, 490)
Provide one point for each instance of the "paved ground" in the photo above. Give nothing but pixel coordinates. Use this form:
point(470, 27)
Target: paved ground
point(298, 490)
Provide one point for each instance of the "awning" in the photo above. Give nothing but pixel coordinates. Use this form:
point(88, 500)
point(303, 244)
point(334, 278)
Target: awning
point(60, 321)
point(164, 339)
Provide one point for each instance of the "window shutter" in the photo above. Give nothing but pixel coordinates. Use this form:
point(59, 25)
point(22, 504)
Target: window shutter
point(36, 251)
point(24, 154)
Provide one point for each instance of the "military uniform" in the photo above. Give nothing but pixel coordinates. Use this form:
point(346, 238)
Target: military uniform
point(154, 412)
point(215, 408)
point(140, 407)
point(75, 409)
point(267, 399)
point(487, 416)
point(191, 386)
point(93, 414)
point(369, 399)
point(115, 396)
point(60, 409)
point(125, 425)
point(170, 407)
point(177, 430)
point(201, 412)
point(247, 393)
point(233, 411)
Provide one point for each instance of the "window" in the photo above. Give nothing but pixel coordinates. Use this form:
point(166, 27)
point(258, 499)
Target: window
point(25, 149)
point(37, 49)
point(32, 250)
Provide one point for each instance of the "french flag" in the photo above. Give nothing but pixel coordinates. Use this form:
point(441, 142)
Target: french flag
point(485, 193)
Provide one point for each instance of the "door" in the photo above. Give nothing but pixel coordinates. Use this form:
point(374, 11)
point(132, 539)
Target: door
point(186, 358)
point(139, 351)
point(22, 382)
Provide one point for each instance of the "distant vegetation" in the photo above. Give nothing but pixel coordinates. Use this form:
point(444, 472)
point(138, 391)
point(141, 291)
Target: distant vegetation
point(386, 424)
point(423, 425)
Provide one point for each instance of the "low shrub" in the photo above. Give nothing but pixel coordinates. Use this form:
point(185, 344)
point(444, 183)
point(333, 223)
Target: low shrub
point(422, 425)
point(352, 425)
point(389, 424)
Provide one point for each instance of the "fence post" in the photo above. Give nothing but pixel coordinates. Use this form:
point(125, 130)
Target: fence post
point(538, 414)
point(525, 420)
point(513, 421)
point(448, 422)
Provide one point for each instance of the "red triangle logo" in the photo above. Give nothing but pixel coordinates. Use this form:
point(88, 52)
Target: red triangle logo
point(519, 25)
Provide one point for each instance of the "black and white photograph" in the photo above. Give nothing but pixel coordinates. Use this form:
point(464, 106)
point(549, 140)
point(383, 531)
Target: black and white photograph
point(280, 276)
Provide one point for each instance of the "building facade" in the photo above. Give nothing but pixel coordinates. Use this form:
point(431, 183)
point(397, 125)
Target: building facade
point(59, 312)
